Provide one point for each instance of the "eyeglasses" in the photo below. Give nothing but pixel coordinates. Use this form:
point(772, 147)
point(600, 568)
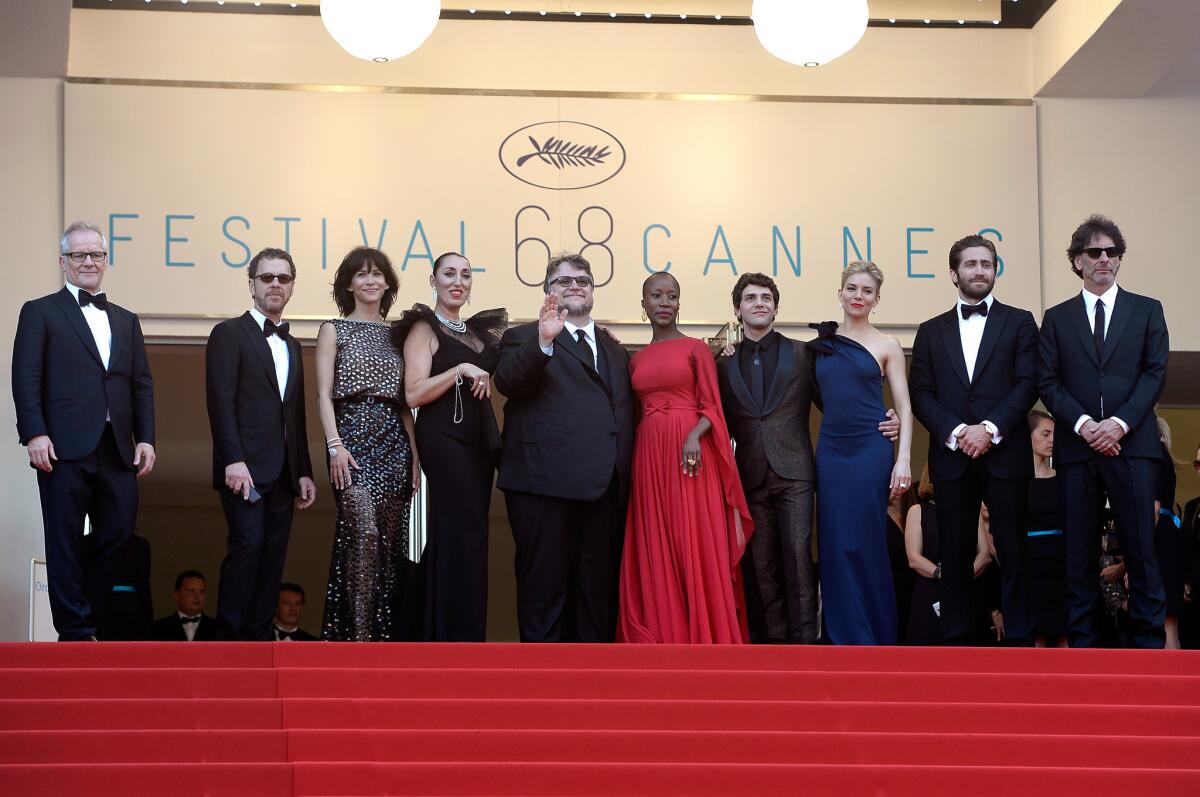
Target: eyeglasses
point(267, 279)
point(1094, 252)
point(583, 281)
point(79, 257)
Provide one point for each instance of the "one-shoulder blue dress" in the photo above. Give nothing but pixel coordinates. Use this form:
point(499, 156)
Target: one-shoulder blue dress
point(854, 466)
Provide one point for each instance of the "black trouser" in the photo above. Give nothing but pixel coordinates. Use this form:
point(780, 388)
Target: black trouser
point(1128, 483)
point(567, 561)
point(81, 573)
point(253, 566)
point(957, 503)
point(781, 591)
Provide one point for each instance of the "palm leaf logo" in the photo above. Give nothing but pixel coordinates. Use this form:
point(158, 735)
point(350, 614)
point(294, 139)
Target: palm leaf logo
point(561, 154)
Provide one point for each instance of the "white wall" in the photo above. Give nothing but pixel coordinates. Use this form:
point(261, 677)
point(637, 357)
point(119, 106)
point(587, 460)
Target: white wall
point(30, 224)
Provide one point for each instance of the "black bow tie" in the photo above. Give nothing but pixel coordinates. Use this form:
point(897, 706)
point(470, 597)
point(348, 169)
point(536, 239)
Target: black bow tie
point(969, 310)
point(99, 299)
point(271, 328)
point(189, 620)
point(280, 634)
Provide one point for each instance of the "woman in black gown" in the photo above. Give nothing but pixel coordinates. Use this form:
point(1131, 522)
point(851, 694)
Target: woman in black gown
point(1047, 548)
point(448, 363)
point(1168, 536)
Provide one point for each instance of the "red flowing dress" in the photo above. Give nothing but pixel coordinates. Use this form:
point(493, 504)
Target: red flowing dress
point(684, 536)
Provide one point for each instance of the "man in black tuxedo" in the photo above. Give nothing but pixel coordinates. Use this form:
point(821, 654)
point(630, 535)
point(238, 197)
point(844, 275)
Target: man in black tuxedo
point(565, 467)
point(973, 379)
point(255, 385)
point(766, 394)
point(1103, 363)
point(285, 625)
point(188, 623)
point(85, 412)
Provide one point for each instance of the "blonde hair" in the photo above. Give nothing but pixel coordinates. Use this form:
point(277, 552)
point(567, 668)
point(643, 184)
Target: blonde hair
point(863, 267)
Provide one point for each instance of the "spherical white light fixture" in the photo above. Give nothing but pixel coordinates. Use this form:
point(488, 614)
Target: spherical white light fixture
point(380, 30)
point(809, 32)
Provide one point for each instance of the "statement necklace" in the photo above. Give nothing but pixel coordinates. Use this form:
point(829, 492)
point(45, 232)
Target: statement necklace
point(458, 326)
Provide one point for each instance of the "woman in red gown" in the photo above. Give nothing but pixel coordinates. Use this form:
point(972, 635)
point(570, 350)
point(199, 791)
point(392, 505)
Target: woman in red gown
point(688, 523)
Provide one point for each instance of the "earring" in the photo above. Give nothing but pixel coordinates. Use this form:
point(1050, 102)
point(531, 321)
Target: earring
point(433, 295)
point(468, 300)
point(644, 316)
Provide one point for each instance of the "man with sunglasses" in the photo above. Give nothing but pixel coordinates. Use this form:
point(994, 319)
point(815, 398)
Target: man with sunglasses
point(565, 468)
point(261, 469)
point(1103, 361)
point(85, 413)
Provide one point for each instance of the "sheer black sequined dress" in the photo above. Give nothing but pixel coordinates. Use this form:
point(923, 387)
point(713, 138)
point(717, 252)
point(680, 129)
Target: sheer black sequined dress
point(370, 546)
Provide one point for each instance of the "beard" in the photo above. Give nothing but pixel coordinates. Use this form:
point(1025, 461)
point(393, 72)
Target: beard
point(577, 306)
point(975, 290)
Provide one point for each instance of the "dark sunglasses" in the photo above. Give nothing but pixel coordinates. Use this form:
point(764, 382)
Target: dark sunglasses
point(267, 279)
point(583, 281)
point(1094, 252)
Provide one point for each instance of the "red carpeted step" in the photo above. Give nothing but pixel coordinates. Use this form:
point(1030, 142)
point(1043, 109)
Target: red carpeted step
point(833, 658)
point(137, 683)
point(702, 780)
point(747, 747)
point(136, 780)
point(142, 746)
point(136, 654)
point(746, 685)
point(972, 717)
point(213, 713)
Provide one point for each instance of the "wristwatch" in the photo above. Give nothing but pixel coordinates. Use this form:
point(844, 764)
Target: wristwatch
point(333, 451)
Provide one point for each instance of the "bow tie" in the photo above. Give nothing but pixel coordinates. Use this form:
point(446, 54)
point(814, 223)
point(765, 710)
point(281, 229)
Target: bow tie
point(969, 310)
point(99, 299)
point(271, 328)
point(189, 620)
point(281, 635)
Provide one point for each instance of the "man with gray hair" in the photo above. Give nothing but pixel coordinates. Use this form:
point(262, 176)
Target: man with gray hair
point(85, 413)
point(565, 468)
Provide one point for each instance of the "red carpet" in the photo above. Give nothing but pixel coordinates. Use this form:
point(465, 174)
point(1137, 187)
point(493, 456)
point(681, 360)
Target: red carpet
point(325, 719)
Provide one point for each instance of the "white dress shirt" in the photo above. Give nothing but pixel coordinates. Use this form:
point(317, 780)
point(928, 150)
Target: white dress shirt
point(1109, 297)
point(589, 331)
point(279, 352)
point(970, 332)
point(189, 629)
point(97, 321)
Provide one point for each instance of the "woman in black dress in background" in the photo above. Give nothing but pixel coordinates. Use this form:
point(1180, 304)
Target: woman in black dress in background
point(1168, 536)
point(448, 363)
point(372, 463)
point(1047, 548)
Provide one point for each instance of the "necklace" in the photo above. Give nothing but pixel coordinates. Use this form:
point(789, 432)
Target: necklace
point(457, 325)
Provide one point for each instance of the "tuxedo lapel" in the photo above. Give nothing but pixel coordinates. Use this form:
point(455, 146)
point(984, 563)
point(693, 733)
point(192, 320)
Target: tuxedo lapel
point(258, 342)
point(1116, 327)
point(785, 362)
point(738, 385)
point(121, 334)
point(70, 309)
point(580, 351)
point(952, 340)
point(294, 355)
point(1077, 312)
point(993, 328)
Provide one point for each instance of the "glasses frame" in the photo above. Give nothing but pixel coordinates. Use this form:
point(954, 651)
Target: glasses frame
point(267, 279)
point(565, 281)
point(81, 257)
point(1112, 252)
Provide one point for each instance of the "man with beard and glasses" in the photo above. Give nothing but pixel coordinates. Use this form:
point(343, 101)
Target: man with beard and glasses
point(1103, 363)
point(973, 379)
point(254, 377)
point(564, 470)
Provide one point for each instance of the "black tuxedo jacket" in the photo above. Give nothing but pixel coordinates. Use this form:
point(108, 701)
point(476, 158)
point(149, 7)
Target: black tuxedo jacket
point(249, 421)
point(566, 429)
point(62, 389)
point(169, 629)
point(775, 435)
point(1002, 389)
point(1125, 381)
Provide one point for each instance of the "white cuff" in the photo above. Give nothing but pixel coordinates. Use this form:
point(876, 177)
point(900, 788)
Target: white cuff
point(952, 441)
point(547, 350)
point(1124, 425)
point(1082, 420)
point(991, 427)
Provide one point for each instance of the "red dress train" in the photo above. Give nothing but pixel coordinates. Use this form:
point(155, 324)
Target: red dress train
point(684, 536)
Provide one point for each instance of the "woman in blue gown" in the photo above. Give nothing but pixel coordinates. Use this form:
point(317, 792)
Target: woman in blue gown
point(856, 473)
